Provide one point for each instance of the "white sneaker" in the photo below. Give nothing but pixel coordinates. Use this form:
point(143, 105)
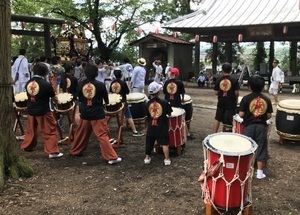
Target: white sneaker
point(118, 160)
point(260, 176)
point(55, 155)
point(167, 162)
point(147, 161)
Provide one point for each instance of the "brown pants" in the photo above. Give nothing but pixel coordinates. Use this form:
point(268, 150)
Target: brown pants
point(83, 133)
point(47, 126)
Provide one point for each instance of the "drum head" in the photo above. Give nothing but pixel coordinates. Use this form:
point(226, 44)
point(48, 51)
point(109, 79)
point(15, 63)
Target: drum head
point(135, 97)
point(293, 104)
point(20, 97)
point(114, 99)
point(230, 144)
point(64, 98)
point(177, 112)
point(187, 99)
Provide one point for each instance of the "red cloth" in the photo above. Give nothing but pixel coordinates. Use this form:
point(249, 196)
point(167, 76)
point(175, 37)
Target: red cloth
point(47, 126)
point(83, 133)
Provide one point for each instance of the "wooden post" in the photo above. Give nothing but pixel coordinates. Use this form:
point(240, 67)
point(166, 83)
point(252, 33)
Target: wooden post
point(210, 210)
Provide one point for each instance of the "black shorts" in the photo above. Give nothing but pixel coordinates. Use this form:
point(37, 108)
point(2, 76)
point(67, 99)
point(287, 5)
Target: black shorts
point(258, 132)
point(225, 115)
point(162, 141)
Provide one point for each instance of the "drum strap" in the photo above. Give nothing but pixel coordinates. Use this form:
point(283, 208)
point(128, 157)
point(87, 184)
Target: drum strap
point(212, 170)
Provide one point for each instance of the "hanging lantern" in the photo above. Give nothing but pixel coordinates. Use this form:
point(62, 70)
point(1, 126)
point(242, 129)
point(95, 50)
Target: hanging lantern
point(23, 25)
point(215, 39)
point(175, 34)
point(156, 31)
point(139, 31)
point(197, 38)
point(285, 29)
point(91, 26)
point(64, 27)
point(240, 37)
point(113, 27)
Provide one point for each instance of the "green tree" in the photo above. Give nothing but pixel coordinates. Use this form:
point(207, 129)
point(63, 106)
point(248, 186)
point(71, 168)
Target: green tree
point(236, 50)
point(125, 15)
point(260, 55)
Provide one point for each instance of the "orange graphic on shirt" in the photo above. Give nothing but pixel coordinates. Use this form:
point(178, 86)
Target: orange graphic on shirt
point(89, 91)
point(225, 86)
point(33, 88)
point(155, 110)
point(116, 87)
point(172, 89)
point(258, 107)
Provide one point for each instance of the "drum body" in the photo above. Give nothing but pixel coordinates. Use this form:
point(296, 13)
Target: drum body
point(137, 105)
point(187, 105)
point(64, 102)
point(115, 104)
point(228, 186)
point(237, 126)
point(21, 100)
point(177, 129)
point(288, 119)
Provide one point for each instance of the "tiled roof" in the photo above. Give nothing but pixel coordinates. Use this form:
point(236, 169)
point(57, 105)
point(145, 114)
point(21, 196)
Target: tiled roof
point(227, 13)
point(162, 38)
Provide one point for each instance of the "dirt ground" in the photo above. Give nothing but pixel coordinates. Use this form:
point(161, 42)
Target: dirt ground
point(88, 185)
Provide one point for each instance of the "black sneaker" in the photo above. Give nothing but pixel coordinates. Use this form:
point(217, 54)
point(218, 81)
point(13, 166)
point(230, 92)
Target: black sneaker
point(137, 134)
point(191, 137)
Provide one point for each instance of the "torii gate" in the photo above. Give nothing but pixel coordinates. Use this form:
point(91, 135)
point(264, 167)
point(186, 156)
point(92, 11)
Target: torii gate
point(33, 19)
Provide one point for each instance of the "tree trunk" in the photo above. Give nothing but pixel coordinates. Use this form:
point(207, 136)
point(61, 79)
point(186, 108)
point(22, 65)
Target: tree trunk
point(11, 163)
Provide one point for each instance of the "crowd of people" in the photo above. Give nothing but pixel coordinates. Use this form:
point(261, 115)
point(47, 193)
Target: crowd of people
point(90, 83)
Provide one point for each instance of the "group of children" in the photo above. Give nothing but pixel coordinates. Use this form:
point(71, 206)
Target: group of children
point(90, 114)
point(255, 109)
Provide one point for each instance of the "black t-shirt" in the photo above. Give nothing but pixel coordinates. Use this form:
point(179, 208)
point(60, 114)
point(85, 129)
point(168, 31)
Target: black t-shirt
point(157, 111)
point(91, 94)
point(173, 88)
point(120, 87)
point(69, 84)
point(39, 92)
point(226, 87)
point(256, 106)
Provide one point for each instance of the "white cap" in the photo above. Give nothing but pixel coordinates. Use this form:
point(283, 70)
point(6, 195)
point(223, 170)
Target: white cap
point(154, 88)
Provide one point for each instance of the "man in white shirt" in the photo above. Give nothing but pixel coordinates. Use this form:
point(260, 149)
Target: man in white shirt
point(20, 67)
point(158, 71)
point(137, 82)
point(275, 81)
point(126, 69)
point(167, 71)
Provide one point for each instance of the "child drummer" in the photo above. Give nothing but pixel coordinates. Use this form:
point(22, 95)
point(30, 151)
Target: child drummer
point(120, 87)
point(39, 115)
point(158, 130)
point(255, 109)
point(174, 93)
point(91, 94)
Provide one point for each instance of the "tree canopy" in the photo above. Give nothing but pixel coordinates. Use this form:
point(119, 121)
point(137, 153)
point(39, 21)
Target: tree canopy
point(113, 21)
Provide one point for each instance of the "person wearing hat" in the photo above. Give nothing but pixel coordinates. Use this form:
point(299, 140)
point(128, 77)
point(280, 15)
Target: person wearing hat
point(137, 82)
point(174, 89)
point(275, 81)
point(157, 129)
point(174, 93)
point(120, 87)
